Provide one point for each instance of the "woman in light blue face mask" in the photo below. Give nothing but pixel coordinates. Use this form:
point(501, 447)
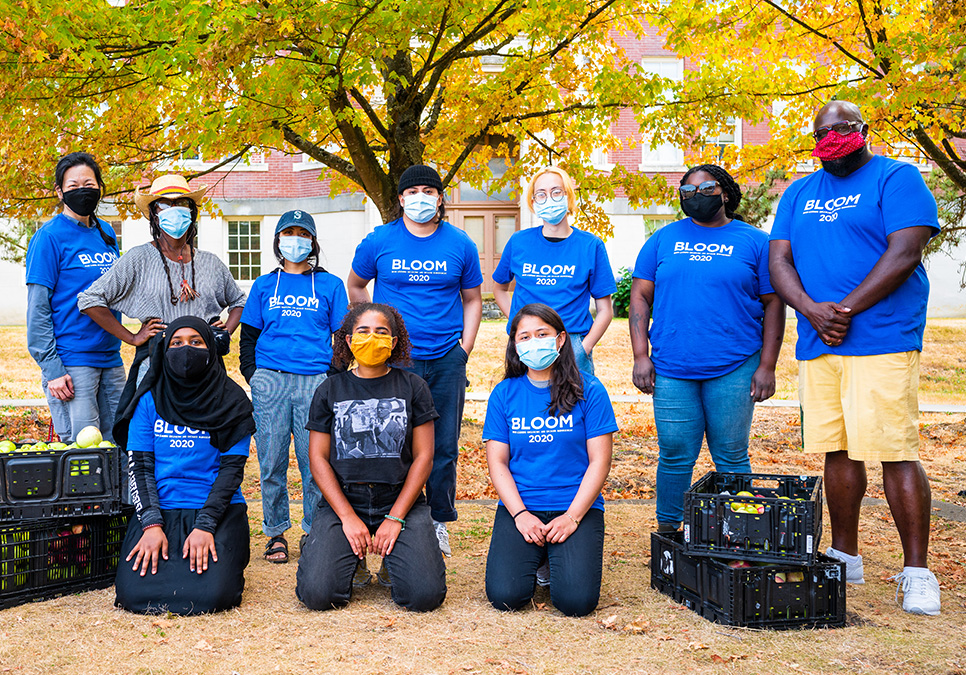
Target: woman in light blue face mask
point(549, 434)
point(166, 278)
point(286, 351)
point(558, 265)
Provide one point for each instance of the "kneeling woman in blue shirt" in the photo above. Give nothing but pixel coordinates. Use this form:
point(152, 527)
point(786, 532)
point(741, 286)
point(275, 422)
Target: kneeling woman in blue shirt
point(548, 435)
point(371, 451)
point(187, 432)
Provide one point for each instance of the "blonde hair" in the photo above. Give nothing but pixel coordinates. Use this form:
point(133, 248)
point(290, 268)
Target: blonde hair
point(568, 186)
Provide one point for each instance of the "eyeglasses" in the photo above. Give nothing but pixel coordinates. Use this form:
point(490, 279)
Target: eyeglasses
point(706, 188)
point(162, 205)
point(841, 128)
point(556, 194)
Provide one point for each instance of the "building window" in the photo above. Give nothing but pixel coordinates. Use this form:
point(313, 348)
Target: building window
point(244, 249)
point(654, 223)
point(116, 226)
point(664, 156)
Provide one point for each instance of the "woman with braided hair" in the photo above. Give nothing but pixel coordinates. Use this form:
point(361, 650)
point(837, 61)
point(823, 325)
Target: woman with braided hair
point(166, 278)
point(716, 332)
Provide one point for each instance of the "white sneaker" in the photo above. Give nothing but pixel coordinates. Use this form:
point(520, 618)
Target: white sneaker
point(854, 573)
point(920, 590)
point(442, 534)
point(543, 574)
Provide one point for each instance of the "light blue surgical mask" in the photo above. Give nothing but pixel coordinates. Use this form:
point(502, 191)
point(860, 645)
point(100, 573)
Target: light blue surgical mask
point(551, 212)
point(175, 221)
point(538, 353)
point(294, 249)
point(420, 207)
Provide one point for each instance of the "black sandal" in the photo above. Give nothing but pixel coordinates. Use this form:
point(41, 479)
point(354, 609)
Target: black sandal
point(273, 548)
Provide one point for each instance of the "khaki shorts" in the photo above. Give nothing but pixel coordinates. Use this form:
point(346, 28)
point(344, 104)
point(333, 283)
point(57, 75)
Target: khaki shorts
point(867, 405)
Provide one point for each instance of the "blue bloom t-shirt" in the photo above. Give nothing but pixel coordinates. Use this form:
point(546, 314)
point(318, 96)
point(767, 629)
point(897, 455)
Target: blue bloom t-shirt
point(421, 277)
point(561, 274)
point(297, 314)
point(67, 257)
point(548, 454)
point(185, 462)
point(707, 314)
point(837, 228)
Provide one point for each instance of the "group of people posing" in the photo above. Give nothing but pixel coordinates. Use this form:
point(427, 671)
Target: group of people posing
point(372, 389)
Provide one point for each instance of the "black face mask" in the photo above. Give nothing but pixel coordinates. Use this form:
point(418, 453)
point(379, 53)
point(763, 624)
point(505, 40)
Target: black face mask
point(702, 208)
point(843, 166)
point(82, 201)
point(187, 362)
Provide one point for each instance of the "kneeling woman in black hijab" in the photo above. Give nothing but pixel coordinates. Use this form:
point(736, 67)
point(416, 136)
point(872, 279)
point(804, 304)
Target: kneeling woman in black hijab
point(187, 433)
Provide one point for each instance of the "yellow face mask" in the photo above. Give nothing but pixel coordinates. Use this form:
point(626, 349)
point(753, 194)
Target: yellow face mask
point(371, 349)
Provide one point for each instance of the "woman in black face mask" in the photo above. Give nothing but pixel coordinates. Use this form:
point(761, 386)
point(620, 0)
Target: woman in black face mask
point(714, 342)
point(187, 432)
point(80, 364)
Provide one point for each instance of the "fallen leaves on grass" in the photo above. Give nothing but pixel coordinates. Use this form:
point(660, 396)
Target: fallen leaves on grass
point(635, 627)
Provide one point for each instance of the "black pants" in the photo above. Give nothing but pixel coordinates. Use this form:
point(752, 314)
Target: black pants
point(415, 566)
point(575, 564)
point(175, 588)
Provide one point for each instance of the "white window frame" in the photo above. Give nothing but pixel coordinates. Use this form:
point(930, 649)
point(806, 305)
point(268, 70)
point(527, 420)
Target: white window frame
point(255, 247)
point(665, 157)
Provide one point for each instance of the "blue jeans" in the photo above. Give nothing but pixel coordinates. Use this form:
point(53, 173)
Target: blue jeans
point(685, 411)
point(446, 377)
point(96, 393)
point(416, 568)
point(585, 361)
point(575, 564)
point(282, 403)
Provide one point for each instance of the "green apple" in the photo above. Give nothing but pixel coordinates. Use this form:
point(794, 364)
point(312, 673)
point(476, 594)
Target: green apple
point(105, 444)
point(57, 446)
point(88, 437)
point(7, 446)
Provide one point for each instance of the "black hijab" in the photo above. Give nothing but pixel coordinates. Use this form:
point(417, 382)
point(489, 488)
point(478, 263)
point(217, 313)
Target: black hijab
point(212, 402)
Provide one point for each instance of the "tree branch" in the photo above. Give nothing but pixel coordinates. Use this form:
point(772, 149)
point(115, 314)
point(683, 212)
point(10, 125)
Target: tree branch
point(434, 112)
point(331, 160)
point(370, 113)
point(822, 35)
point(935, 153)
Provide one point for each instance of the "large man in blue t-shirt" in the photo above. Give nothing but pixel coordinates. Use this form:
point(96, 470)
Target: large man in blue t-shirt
point(846, 253)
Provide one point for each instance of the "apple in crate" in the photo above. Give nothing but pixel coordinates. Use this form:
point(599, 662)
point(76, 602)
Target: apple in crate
point(88, 437)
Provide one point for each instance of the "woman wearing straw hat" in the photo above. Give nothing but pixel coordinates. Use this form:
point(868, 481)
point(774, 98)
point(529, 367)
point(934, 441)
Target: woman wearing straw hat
point(166, 278)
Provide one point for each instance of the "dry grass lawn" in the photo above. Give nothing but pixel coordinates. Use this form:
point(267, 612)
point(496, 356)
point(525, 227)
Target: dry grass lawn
point(635, 630)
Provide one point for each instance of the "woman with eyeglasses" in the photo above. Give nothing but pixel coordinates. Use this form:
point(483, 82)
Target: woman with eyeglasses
point(716, 332)
point(166, 278)
point(80, 365)
point(549, 436)
point(558, 265)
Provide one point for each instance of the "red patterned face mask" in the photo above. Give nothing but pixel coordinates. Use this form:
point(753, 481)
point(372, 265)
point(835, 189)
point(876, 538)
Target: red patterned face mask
point(834, 146)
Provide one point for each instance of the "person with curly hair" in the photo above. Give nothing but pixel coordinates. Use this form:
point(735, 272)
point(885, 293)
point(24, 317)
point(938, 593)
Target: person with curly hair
point(716, 332)
point(549, 435)
point(371, 452)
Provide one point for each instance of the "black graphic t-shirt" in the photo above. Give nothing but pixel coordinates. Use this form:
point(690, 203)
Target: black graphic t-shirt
point(370, 423)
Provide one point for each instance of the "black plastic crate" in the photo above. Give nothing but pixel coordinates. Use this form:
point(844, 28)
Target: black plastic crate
point(43, 559)
point(775, 596)
point(784, 524)
point(59, 483)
